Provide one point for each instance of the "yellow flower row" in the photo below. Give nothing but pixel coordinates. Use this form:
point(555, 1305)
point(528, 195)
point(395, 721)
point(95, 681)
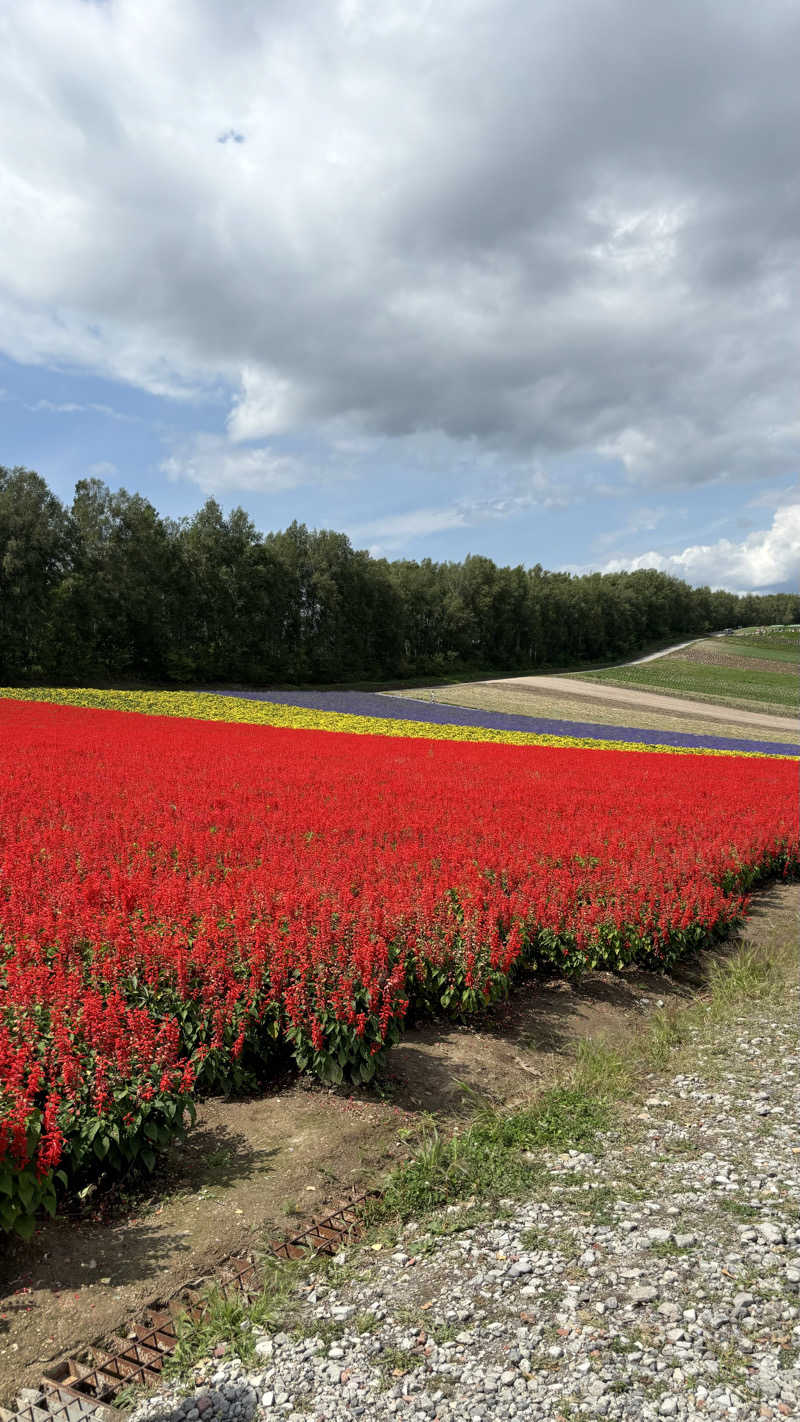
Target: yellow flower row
point(206, 706)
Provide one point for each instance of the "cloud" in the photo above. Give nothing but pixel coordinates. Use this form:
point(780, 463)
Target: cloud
point(416, 523)
point(768, 558)
point(217, 467)
point(579, 231)
point(72, 407)
point(518, 496)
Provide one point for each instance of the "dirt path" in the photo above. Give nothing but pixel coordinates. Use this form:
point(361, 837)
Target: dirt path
point(647, 700)
point(665, 652)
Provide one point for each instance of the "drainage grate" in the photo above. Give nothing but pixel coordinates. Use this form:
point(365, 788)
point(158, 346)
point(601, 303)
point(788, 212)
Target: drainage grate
point(72, 1391)
point(326, 1236)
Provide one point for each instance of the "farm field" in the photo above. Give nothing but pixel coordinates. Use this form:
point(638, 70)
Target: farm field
point(191, 906)
point(574, 701)
point(749, 671)
point(194, 906)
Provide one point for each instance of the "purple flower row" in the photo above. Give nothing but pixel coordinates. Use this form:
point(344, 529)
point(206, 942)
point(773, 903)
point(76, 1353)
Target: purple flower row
point(401, 708)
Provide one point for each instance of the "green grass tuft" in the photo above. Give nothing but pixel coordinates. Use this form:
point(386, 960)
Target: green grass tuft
point(491, 1157)
point(223, 1321)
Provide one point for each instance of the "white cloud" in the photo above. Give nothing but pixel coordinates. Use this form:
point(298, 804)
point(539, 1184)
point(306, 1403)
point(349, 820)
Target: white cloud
point(514, 496)
point(72, 407)
point(640, 520)
point(765, 559)
point(264, 407)
point(217, 467)
point(416, 523)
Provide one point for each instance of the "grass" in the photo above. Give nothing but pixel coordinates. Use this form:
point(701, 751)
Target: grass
point(768, 690)
point(231, 1320)
point(396, 1362)
point(495, 1155)
point(762, 651)
point(491, 1157)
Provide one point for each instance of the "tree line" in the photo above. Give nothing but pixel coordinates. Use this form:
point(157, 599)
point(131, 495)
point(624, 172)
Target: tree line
point(108, 589)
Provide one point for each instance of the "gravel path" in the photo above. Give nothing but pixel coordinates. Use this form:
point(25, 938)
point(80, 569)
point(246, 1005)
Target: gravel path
point(658, 1278)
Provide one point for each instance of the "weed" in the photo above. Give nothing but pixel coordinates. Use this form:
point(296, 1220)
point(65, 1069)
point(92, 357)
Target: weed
point(443, 1333)
point(682, 1145)
point(329, 1330)
point(750, 975)
point(129, 1397)
point(666, 1250)
point(599, 1202)
point(223, 1320)
point(396, 1362)
point(602, 1070)
point(533, 1239)
point(732, 1366)
point(740, 1209)
point(665, 1033)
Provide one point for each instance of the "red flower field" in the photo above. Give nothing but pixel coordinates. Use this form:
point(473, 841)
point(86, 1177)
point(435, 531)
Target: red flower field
point(184, 903)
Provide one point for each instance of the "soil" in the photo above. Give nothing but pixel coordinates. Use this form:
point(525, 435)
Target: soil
point(708, 654)
point(648, 700)
point(253, 1170)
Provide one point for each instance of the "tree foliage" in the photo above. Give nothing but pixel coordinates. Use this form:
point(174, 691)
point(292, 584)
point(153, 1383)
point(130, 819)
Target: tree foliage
point(109, 589)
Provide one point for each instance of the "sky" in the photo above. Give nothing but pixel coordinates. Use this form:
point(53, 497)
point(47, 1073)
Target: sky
point(450, 276)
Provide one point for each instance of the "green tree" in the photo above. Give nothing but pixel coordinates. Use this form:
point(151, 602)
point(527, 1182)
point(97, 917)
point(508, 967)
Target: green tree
point(34, 558)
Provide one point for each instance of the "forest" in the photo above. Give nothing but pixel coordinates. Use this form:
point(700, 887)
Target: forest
point(109, 590)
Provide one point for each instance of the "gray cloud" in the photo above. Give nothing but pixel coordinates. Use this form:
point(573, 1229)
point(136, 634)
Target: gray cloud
point(536, 229)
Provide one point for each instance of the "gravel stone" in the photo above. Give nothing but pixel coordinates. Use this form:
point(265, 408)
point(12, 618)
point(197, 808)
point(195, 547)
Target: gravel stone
point(663, 1281)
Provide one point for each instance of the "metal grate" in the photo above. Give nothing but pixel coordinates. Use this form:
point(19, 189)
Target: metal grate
point(72, 1391)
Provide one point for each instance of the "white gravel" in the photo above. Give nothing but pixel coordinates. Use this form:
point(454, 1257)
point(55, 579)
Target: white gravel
point(657, 1279)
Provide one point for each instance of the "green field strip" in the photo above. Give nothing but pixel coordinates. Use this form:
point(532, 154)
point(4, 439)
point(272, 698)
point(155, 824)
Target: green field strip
point(740, 647)
point(678, 676)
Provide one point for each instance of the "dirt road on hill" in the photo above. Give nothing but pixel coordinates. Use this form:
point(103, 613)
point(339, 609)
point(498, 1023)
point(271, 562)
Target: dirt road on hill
point(646, 700)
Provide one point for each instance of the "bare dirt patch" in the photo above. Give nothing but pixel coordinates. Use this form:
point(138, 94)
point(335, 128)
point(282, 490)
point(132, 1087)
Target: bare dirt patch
point(711, 654)
point(254, 1169)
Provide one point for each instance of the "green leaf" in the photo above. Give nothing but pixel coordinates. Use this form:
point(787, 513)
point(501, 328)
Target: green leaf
point(26, 1189)
point(8, 1214)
